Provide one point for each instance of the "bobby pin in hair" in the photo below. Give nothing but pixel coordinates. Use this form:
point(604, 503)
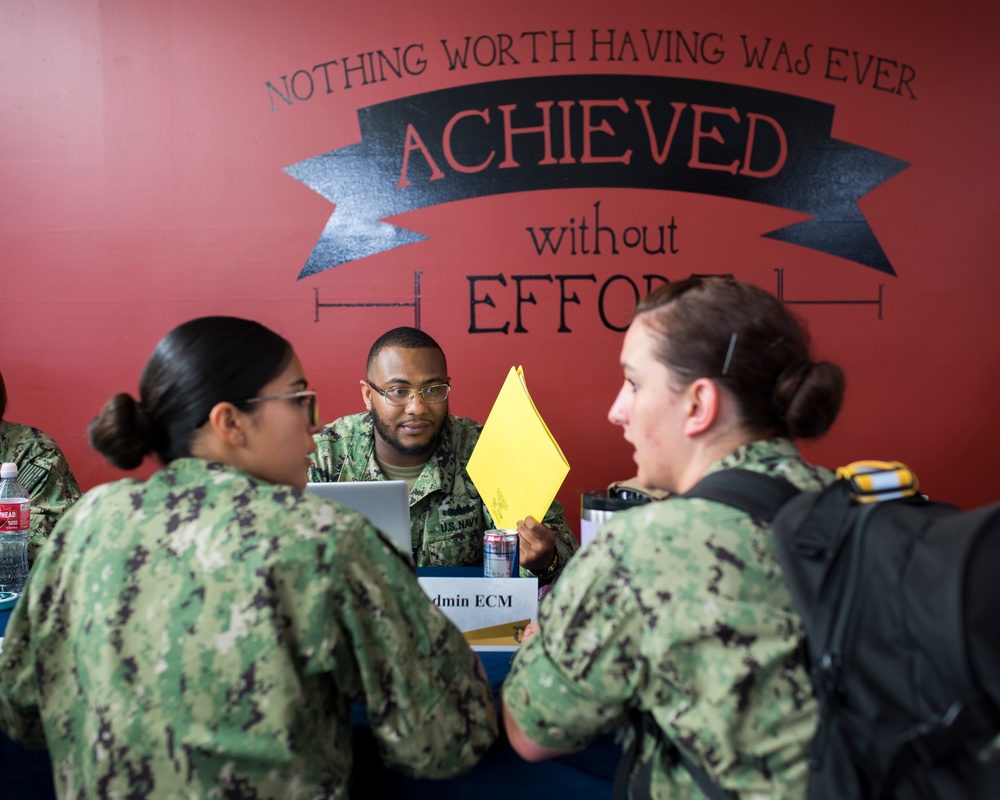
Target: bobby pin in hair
point(729, 355)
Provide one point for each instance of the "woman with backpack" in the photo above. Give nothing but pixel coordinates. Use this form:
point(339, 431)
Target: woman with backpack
point(675, 617)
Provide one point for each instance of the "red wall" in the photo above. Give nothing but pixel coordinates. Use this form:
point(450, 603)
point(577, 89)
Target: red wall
point(143, 183)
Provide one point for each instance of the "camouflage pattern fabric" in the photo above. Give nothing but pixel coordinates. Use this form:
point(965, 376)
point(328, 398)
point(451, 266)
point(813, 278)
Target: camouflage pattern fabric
point(679, 608)
point(203, 634)
point(447, 516)
point(44, 473)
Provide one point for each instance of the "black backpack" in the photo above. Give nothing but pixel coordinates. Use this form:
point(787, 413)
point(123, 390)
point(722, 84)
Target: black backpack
point(899, 600)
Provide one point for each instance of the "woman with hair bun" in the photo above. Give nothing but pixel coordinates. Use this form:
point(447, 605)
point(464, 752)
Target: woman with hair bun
point(678, 608)
point(204, 632)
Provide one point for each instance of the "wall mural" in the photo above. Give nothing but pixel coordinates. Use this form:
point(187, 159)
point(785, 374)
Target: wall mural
point(512, 180)
point(596, 131)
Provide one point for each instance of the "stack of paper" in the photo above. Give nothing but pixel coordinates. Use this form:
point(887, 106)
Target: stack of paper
point(517, 465)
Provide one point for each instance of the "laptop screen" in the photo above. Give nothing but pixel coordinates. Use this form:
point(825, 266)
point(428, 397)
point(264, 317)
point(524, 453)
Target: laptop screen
point(385, 503)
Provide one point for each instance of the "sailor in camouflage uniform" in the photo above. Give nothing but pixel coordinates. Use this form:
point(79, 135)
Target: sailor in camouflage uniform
point(204, 633)
point(678, 607)
point(42, 470)
point(414, 438)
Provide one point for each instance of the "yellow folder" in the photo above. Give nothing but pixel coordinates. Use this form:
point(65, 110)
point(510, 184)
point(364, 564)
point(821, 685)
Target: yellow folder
point(517, 465)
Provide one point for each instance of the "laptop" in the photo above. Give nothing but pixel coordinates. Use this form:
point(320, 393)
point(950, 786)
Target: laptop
point(385, 503)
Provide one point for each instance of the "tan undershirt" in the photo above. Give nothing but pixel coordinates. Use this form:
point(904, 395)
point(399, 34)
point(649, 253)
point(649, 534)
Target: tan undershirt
point(408, 474)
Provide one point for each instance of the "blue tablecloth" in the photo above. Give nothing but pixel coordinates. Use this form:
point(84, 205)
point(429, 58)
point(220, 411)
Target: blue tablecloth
point(500, 775)
point(5, 608)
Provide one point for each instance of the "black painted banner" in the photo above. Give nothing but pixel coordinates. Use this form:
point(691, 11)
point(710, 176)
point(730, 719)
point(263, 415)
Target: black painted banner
point(581, 131)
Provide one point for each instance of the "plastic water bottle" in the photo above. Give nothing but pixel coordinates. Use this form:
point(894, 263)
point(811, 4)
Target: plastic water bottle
point(15, 518)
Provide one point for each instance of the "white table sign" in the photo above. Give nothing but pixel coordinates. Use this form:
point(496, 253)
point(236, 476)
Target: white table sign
point(491, 612)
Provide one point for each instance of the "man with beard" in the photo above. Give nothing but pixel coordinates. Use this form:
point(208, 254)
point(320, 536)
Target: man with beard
point(408, 434)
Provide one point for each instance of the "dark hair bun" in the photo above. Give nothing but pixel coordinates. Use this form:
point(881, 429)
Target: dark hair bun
point(200, 363)
point(122, 432)
point(810, 396)
point(747, 341)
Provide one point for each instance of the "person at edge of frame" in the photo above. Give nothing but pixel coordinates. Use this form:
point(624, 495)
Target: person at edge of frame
point(42, 470)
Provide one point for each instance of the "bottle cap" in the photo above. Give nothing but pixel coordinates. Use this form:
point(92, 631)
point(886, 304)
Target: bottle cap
point(8, 470)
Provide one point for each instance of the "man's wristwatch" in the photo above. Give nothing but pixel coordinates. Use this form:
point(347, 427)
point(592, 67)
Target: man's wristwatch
point(551, 567)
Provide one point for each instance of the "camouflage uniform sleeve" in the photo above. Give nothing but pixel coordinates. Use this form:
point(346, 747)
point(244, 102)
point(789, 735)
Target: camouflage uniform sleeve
point(342, 449)
point(576, 678)
point(324, 465)
point(678, 608)
point(45, 473)
point(428, 699)
point(20, 712)
point(22, 676)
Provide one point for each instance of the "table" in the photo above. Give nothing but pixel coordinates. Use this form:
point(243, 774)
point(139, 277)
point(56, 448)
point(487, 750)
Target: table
point(6, 606)
point(27, 775)
point(501, 773)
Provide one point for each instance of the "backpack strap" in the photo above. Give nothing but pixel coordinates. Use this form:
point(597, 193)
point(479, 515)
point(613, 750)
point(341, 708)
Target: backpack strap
point(760, 496)
point(643, 725)
point(757, 494)
point(932, 743)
